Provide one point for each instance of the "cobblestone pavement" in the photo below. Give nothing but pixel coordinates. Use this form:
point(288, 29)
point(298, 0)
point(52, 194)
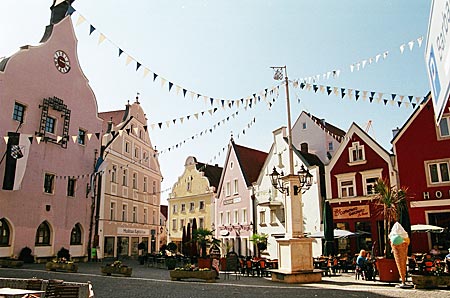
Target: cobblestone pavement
point(155, 282)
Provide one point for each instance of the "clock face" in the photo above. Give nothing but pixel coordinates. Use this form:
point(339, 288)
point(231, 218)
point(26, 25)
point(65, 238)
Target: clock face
point(62, 61)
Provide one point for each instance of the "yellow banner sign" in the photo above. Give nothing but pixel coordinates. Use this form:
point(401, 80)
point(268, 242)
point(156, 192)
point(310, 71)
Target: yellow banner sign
point(351, 212)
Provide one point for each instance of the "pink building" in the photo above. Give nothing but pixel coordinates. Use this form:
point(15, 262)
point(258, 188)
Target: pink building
point(235, 205)
point(49, 114)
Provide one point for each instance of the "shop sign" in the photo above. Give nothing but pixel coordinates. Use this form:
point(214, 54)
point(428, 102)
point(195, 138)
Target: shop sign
point(133, 232)
point(438, 194)
point(351, 212)
point(231, 201)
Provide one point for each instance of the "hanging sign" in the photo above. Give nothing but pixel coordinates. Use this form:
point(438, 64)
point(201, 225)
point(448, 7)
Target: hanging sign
point(351, 212)
point(437, 56)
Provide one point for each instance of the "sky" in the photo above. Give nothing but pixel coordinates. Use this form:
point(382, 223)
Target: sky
point(225, 50)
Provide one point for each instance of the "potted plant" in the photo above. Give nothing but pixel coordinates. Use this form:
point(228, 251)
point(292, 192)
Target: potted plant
point(260, 240)
point(62, 262)
point(191, 271)
point(11, 262)
point(26, 256)
point(171, 261)
point(203, 237)
point(389, 201)
point(117, 268)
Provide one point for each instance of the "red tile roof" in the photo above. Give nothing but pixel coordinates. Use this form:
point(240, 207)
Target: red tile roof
point(251, 162)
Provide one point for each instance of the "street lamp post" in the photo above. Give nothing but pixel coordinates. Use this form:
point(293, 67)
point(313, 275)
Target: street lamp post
point(294, 250)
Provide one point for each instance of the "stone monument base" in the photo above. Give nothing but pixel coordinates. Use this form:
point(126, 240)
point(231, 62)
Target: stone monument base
point(304, 276)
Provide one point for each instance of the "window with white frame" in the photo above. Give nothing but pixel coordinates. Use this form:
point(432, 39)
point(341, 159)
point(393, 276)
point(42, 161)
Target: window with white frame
point(236, 186)
point(228, 217)
point(346, 185)
point(244, 215)
point(201, 222)
point(303, 125)
point(201, 205)
point(183, 207)
point(438, 172)
point(191, 206)
point(181, 223)
point(369, 179)
point(356, 153)
point(114, 174)
point(444, 126)
point(125, 177)
point(236, 216)
point(146, 215)
point(330, 146)
point(135, 214)
point(221, 218)
point(273, 217)
point(135, 179)
point(112, 210)
point(124, 212)
point(262, 217)
point(228, 189)
point(174, 209)
point(127, 147)
point(145, 186)
point(174, 224)
point(137, 150)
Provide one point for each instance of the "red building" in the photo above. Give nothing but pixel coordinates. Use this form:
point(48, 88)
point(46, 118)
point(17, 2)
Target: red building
point(350, 178)
point(422, 152)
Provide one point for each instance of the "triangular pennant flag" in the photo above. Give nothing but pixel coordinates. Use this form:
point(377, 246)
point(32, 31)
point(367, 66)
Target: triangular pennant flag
point(364, 95)
point(399, 103)
point(181, 120)
point(411, 45)
point(138, 65)
point(129, 59)
point(113, 133)
point(184, 93)
point(58, 139)
point(342, 92)
point(160, 124)
point(402, 48)
point(419, 41)
point(120, 51)
point(377, 57)
point(336, 91)
point(74, 138)
point(97, 134)
point(385, 54)
point(167, 123)
point(120, 132)
point(153, 126)
point(145, 128)
point(146, 71)
point(315, 88)
point(70, 10)
point(196, 116)
point(30, 139)
point(352, 66)
point(91, 29)
point(413, 105)
point(328, 90)
point(357, 94)
point(410, 97)
point(38, 139)
point(6, 139)
point(154, 76)
point(372, 93)
point(370, 98)
point(101, 38)
point(81, 19)
point(393, 96)
point(128, 131)
point(170, 85)
point(174, 120)
point(385, 101)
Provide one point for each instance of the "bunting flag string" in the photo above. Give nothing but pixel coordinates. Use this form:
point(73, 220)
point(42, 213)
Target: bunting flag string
point(362, 64)
point(169, 85)
point(380, 97)
point(204, 132)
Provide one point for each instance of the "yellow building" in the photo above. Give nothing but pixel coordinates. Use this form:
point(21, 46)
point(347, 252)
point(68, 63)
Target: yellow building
point(193, 196)
point(129, 211)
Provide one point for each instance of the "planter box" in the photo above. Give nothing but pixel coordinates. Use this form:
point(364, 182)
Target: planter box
point(10, 263)
point(430, 281)
point(124, 270)
point(387, 270)
point(209, 275)
point(69, 267)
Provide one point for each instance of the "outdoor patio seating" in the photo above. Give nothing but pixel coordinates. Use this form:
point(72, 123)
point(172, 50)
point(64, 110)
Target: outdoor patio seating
point(65, 291)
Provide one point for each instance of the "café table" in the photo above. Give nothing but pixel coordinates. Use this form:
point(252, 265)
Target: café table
point(12, 292)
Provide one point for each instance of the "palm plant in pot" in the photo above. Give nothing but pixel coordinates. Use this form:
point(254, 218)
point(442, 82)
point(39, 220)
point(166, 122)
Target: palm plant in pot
point(203, 237)
point(390, 201)
point(260, 240)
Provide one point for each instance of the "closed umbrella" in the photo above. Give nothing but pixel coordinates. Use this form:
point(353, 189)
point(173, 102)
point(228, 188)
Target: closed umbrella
point(328, 230)
point(405, 221)
point(188, 240)
point(194, 251)
point(183, 241)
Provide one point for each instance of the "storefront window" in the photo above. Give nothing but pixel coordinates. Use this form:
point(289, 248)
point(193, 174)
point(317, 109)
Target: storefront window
point(109, 247)
point(364, 238)
point(441, 240)
point(134, 246)
point(343, 243)
point(122, 246)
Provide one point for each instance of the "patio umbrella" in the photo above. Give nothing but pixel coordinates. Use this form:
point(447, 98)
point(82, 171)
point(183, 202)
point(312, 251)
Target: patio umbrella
point(426, 228)
point(328, 230)
point(338, 233)
point(194, 251)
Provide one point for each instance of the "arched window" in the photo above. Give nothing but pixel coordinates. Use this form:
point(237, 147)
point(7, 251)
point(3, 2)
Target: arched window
point(4, 232)
point(43, 235)
point(75, 236)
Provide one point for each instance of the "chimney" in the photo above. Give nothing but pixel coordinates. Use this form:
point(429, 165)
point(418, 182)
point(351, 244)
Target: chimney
point(304, 147)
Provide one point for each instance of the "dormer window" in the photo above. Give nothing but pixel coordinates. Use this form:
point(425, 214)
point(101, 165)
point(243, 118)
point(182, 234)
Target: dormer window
point(444, 125)
point(356, 153)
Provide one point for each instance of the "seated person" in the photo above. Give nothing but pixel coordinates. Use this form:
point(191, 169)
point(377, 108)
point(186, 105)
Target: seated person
point(361, 262)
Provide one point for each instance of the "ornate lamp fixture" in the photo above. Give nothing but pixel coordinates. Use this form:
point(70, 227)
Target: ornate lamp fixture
point(304, 178)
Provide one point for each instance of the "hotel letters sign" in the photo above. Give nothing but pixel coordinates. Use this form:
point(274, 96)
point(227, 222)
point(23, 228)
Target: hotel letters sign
point(351, 212)
point(133, 232)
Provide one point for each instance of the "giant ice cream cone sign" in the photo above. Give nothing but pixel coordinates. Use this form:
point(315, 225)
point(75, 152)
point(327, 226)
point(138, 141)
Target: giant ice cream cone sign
point(399, 242)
